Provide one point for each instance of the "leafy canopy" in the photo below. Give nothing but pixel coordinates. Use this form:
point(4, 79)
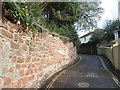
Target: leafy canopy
point(98, 36)
point(110, 27)
point(84, 13)
point(106, 34)
point(58, 17)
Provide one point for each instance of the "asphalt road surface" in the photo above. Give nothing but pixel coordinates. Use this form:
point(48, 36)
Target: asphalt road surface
point(88, 72)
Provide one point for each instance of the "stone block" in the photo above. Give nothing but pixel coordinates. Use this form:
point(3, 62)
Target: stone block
point(20, 60)
point(16, 37)
point(16, 76)
point(21, 40)
point(1, 45)
point(1, 69)
point(7, 44)
point(7, 33)
point(25, 47)
point(1, 83)
point(7, 80)
point(4, 71)
point(24, 53)
point(14, 45)
point(18, 84)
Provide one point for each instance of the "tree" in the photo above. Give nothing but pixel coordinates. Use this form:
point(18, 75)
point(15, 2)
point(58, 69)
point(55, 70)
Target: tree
point(84, 13)
point(98, 36)
point(90, 13)
point(58, 17)
point(65, 14)
point(110, 27)
point(107, 34)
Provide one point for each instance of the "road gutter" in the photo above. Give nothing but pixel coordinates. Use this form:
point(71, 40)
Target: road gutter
point(53, 81)
point(105, 67)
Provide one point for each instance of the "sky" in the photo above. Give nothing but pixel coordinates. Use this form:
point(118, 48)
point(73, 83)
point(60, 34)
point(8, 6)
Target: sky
point(110, 13)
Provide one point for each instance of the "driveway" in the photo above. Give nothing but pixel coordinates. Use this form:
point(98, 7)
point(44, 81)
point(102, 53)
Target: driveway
point(88, 72)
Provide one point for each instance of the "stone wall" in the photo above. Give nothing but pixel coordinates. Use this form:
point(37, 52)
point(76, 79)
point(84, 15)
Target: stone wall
point(28, 62)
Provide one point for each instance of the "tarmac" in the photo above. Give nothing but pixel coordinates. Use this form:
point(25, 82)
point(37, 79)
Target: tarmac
point(89, 71)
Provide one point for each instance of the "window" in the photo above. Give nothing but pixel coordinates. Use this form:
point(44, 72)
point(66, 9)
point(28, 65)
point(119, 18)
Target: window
point(85, 38)
point(118, 34)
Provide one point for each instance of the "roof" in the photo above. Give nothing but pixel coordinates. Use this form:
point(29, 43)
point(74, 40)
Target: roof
point(116, 31)
point(86, 35)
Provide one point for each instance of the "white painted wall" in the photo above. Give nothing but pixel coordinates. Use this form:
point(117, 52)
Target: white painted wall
point(116, 37)
point(85, 39)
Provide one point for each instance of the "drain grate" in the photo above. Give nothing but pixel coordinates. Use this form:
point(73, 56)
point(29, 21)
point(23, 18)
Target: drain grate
point(83, 84)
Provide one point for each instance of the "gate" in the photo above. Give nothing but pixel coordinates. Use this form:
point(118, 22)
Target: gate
point(88, 48)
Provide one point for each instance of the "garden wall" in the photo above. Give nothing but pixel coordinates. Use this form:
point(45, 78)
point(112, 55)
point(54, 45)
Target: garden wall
point(112, 53)
point(26, 62)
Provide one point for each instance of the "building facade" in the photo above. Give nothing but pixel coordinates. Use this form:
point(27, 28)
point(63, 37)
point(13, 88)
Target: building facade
point(117, 36)
point(85, 38)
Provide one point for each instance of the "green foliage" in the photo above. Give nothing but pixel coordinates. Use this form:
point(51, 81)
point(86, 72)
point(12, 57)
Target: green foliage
point(61, 16)
point(58, 17)
point(107, 34)
point(97, 36)
point(67, 31)
point(89, 14)
point(110, 27)
point(62, 13)
point(20, 13)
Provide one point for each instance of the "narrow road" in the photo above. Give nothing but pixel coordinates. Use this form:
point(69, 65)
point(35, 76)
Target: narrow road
point(88, 72)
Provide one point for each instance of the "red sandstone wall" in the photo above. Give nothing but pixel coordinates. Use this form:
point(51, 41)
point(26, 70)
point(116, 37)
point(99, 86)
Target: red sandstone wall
point(28, 63)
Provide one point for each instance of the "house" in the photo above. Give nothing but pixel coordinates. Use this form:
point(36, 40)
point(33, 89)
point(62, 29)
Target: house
point(85, 38)
point(117, 32)
point(86, 46)
point(117, 36)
